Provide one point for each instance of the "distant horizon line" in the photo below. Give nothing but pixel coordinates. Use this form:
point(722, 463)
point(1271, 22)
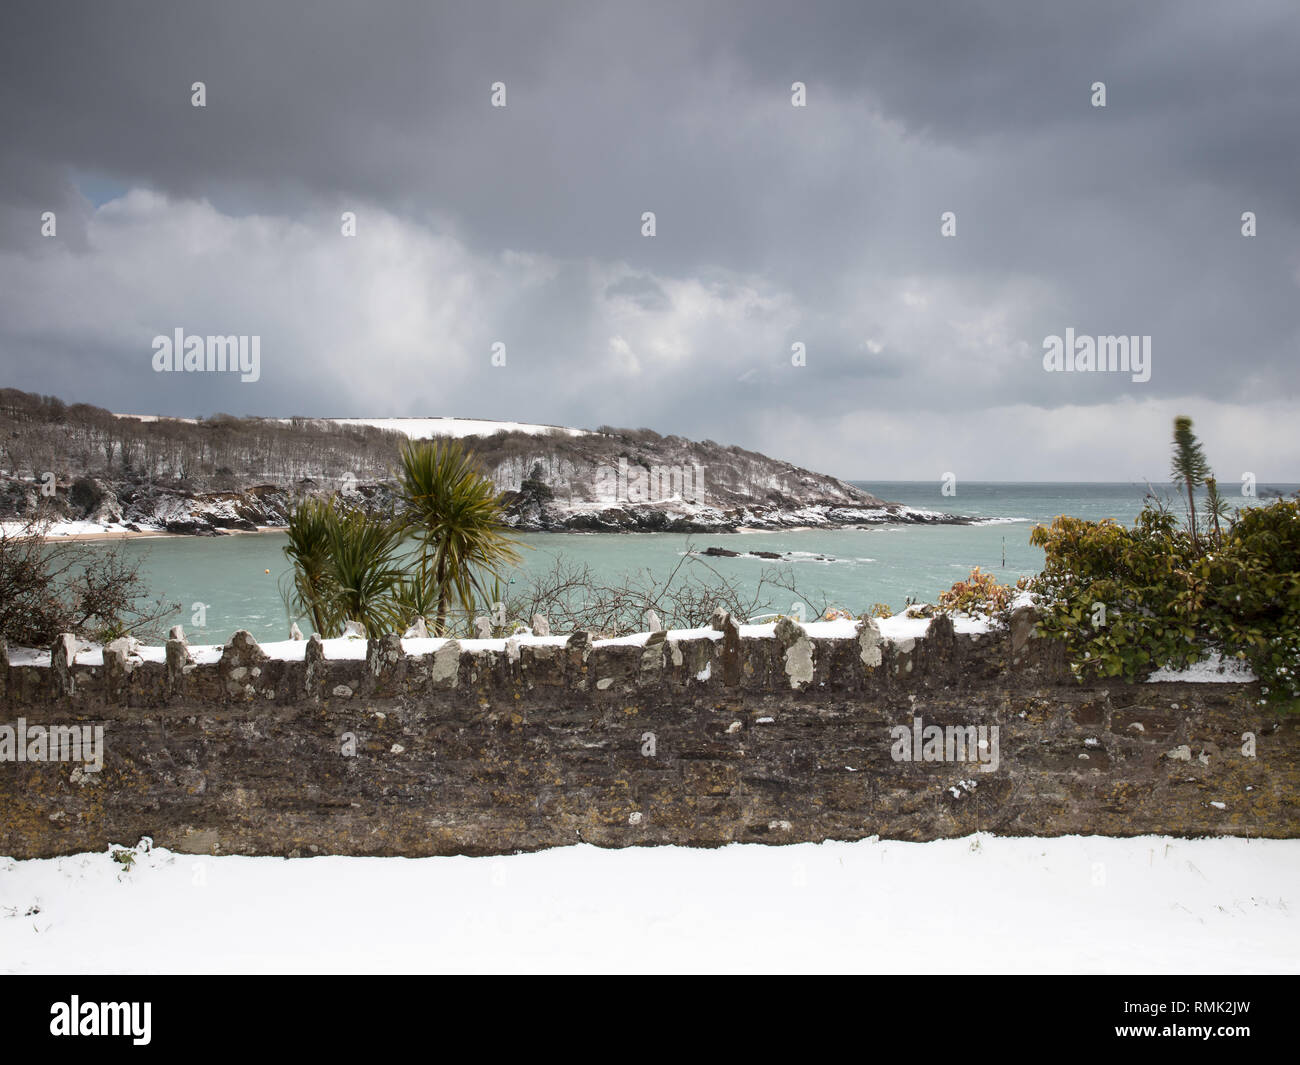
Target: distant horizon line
point(972, 480)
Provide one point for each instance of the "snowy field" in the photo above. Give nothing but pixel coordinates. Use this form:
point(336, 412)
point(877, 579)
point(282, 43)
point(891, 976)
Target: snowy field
point(977, 905)
point(415, 428)
point(426, 428)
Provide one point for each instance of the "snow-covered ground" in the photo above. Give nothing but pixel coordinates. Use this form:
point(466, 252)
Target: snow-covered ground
point(424, 428)
point(961, 907)
point(91, 530)
point(68, 529)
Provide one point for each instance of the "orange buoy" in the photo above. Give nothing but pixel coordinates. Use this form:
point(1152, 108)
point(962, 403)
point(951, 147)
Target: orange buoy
point(266, 571)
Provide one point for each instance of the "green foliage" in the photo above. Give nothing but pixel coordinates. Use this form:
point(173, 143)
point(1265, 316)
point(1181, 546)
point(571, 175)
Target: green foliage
point(310, 594)
point(1127, 601)
point(1216, 507)
point(1188, 465)
point(1188, 460)
point(454, 511)
point(364, 571)
point(349, 565)
point(346, 567)
point(535, 487)
point(979, 593)
point(415, 596)
point(1254, 594)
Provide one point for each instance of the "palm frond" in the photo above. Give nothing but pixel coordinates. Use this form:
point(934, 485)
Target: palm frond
point(454, 511)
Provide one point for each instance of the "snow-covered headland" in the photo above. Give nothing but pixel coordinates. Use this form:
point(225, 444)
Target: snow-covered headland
point(93, 472)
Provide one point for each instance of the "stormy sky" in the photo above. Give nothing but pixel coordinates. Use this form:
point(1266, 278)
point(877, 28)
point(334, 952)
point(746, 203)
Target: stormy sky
point(775, 225)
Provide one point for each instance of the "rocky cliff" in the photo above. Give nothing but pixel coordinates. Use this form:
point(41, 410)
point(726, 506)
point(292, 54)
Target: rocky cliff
point(83, 464)
point(637, 480)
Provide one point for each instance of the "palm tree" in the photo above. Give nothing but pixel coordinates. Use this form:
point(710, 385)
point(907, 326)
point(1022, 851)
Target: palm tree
point(345, 568)
point(455, 512)
point(365, 571)
point(310, 593)
point(1189, 464)
point(1217, 506)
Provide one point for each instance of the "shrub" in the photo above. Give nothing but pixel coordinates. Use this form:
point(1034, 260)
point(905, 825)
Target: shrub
point(1127, 601)
point(979, 593)
point(70, 586)
point(536, 489)
point(346, 567)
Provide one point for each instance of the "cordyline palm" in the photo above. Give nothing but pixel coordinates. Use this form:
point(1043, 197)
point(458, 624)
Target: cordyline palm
point(455, 513)
point(1189, 464)
point(1217, 506)
point(344, 568)
point(364, 569)
point(310, 594)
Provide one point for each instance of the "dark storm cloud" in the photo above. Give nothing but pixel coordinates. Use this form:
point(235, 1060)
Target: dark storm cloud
point(775, 224)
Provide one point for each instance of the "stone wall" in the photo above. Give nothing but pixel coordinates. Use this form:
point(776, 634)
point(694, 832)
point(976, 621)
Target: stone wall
point(700, 740)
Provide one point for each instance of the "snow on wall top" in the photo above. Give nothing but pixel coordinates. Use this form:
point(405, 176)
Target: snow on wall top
point(350, 647)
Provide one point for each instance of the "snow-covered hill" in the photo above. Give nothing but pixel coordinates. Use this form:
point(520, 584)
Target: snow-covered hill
point(415, 428)
point(146, 472)
point(426, 428)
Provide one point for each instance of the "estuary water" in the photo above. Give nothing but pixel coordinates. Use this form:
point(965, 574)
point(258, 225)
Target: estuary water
point(848, 567)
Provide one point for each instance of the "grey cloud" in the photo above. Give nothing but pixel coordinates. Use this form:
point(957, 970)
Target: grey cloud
point(644, 291)
point(775, 224)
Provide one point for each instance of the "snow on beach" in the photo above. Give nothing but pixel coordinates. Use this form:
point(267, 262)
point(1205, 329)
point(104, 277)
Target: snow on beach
point(90, 530)
point(983, 903)
point(73, 530)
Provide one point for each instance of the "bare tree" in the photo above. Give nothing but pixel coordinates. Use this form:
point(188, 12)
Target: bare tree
point(572, 597)
point(71, 586)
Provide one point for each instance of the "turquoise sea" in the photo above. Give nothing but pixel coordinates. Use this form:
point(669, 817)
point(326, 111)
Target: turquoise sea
point(886, 563)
